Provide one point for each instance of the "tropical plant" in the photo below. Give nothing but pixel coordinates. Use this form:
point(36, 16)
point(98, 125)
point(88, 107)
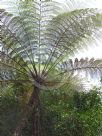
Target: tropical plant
point(36, 41)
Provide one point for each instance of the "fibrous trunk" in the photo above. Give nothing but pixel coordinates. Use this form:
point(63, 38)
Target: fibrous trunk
point(34, 107)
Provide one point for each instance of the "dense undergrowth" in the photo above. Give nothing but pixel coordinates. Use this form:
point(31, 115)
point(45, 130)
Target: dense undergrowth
point(62, 113)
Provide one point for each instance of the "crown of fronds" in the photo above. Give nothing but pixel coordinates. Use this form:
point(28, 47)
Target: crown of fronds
point(36, 42)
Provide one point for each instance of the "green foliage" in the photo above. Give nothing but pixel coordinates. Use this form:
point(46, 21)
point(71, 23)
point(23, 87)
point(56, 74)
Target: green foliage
point(77, 115)
point(62, 112)
point(9, 112)
point(12, 102)
point(86, 101)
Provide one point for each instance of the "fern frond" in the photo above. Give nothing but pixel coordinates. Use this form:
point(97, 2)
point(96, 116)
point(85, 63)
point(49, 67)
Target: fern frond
point(91, 67)
point(69, 32)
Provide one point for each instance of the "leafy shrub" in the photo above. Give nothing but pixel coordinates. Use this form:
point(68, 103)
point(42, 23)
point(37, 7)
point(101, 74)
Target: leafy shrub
point(76, 115)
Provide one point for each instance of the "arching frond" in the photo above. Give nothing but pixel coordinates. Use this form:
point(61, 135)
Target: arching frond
point(69, 32)
point(11, 68)
point(90, 66)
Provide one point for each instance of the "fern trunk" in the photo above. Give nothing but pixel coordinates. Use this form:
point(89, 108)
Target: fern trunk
point(33, 107)
point(36, 125)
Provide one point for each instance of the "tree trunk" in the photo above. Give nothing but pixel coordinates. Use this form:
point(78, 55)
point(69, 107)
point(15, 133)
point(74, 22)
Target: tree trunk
point(36, 127)
point(34, 107)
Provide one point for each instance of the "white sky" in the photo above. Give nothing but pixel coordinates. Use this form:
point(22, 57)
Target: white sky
point(92, 51)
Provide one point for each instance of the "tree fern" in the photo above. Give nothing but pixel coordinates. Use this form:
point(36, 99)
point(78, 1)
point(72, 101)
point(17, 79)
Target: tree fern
point(36, 41)
point(42, 41)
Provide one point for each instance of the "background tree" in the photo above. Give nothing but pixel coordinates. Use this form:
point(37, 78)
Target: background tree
point(36, 42)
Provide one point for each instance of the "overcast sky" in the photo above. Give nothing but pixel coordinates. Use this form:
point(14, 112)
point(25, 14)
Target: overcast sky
point(93, 51)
